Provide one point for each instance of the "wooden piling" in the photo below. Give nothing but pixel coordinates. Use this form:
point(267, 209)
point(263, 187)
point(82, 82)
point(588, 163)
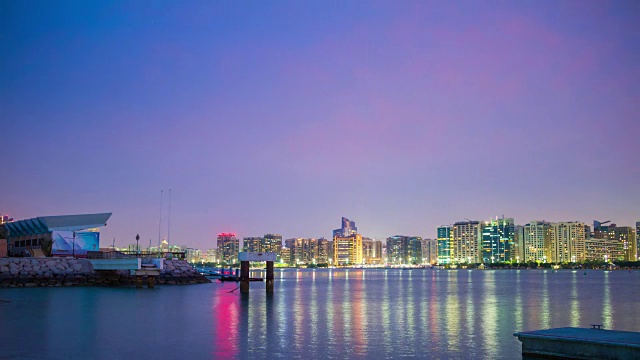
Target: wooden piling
point(269, 276)
point(151, 282)
point(244, 276)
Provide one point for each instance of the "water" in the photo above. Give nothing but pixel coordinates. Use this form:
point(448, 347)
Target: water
point(340, 314)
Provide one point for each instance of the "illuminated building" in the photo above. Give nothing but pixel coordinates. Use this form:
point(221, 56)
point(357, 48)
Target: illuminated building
point(228, 246)
point(567, 240)
point(210, 257)
point(497, 240)
point(252, 244)
point(465, 245)
point(348, 228)
point(626, 238)
point(323, 251)
point(372, 251)
point(537, 241)
point(517, 255)
point(599, 249)
point(347, 250)
point(444, 244)
point(404, 250)
point(66, 235)
point(429, 251)
point(285, 255)
point(272, 243)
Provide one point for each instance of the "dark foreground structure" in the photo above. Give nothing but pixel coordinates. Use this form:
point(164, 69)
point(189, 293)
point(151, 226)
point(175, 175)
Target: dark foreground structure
point(579, 343)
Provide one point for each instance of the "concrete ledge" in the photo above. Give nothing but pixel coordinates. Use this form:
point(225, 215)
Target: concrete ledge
point(256, 256)
point(579, 343)
point(116, 264)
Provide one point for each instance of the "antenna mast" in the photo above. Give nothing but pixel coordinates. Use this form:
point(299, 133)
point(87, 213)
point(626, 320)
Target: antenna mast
point(160, 226)
point(169, 222)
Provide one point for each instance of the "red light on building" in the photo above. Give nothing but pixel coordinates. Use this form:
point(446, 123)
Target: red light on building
point(227, 235)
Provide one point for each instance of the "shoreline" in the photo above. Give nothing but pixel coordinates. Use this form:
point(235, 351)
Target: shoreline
point(61, 272)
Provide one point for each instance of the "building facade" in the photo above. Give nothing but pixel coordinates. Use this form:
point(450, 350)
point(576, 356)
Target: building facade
point(498, 240)
point(347, 250)
point(228, 247)
point(567, 242)
point(537, 241)
point(444, 245)
point(466, 242)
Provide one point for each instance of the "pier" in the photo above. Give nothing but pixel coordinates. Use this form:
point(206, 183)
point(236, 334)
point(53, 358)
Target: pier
point(579, 343)
point(245, 257)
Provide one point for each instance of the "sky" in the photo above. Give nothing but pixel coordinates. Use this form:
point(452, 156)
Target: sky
point(284, 116)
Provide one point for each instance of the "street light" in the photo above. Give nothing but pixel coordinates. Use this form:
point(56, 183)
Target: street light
point(137, 245)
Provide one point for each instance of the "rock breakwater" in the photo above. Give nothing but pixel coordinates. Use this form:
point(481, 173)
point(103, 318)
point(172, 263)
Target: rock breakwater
point(33, 272)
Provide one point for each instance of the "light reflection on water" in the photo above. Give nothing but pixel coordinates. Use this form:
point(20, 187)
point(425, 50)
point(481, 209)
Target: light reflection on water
point(341, 314)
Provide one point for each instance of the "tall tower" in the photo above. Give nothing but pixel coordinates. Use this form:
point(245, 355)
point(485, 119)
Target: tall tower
point(228, 246)
point(466, 242)
point(498, 240)
point(347, 244)
point(537, 241)
point(444, 244)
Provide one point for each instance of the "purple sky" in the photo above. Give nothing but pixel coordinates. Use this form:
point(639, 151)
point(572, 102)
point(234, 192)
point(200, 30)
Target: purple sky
point(285, 116)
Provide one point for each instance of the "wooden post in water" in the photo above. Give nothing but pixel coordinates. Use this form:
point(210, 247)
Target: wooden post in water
point(150, 282)
point(244, 276)
point(269, 276)
point(138, 282)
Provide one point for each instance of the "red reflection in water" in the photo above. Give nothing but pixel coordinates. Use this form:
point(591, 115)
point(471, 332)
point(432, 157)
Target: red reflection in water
point(225, 311)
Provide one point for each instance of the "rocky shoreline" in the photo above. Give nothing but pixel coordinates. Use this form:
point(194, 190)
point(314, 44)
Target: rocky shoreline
point(35, 272)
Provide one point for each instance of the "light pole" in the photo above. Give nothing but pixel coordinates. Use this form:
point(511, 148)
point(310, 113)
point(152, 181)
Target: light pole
point(137, 244)
point(73, 245)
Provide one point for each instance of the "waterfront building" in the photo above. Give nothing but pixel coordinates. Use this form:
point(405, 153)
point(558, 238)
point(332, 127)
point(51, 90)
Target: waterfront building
point(324, 248)
point(285, 255)
point(210, 256)
point(65, 235)
point(626, 241)
point(192, 255)
point(252, 244)
point(537, 241)
point(465, 245)
point(348, 228)
point(497, 240)
point(600, 230)
point(372, 251)
point(272, 243)
point(518, 244)
point(404, 250)
point(603, 249)
point(347, 250)
point(567, 241)
point(228, 246)
point(444, 245)
point(429, 251)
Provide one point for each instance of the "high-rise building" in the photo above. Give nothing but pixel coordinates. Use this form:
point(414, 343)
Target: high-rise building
point(348, 228)
point(537, 241)
point(404, 250)
point(252, 244)
point(324, 247)
point(347, 250)
point(211, 256)
point(372, 251)
point(498, 240)
point(285, 255)
point(272, 243)
point(465, 242)
point(517, 254)
point(567, 242)
point(600, 230)
point(429, 251)
point(228, 246)
point(444, 244)
point(626, 238)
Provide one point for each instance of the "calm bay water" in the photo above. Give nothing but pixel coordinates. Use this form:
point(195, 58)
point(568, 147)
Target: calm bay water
point(341, 314)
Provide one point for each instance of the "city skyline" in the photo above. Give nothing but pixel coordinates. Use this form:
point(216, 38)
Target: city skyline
point(284, 117)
